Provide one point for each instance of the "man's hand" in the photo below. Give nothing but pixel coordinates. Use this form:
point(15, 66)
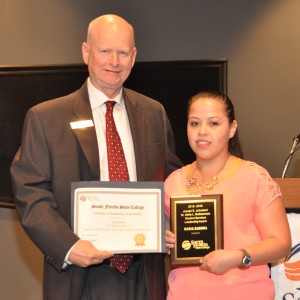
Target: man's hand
point(85, 254)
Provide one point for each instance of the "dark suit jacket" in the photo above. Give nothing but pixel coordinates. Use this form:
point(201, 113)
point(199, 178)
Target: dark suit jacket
point(52, 155)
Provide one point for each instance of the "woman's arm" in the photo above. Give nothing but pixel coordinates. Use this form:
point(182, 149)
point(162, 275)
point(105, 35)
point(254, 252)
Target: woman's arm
point(274, 229)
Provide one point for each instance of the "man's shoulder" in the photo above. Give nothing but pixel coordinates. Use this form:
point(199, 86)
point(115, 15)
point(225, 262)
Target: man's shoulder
point(59, 102)
point(140, 98)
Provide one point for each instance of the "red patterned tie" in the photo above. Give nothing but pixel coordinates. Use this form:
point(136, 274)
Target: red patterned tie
point(118, 171)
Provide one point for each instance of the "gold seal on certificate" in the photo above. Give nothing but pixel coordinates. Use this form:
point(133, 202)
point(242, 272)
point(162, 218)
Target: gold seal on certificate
point(140, 239)
point(197, 221)
point(118, 216)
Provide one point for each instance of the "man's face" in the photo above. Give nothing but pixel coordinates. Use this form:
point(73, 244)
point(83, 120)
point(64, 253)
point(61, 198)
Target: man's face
point(110, 56)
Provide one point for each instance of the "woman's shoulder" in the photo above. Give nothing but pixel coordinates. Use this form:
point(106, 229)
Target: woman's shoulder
point(175, 184)
point(258, 172)
point(256, 175)
point(178, 173)
point(254, 168)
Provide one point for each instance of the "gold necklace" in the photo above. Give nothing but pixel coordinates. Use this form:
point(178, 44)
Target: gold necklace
point(193, 187)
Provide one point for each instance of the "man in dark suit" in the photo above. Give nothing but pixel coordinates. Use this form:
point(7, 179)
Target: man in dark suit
point(54, 153)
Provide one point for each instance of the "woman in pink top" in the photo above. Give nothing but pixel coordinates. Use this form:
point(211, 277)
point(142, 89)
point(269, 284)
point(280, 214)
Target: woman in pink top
point(256, 230)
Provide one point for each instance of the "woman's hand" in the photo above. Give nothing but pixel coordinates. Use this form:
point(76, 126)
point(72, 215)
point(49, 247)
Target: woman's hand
point(170, 240)
point(220, 261)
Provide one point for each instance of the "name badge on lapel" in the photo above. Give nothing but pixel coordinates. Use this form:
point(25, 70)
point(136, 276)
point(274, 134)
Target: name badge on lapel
point(81, 124)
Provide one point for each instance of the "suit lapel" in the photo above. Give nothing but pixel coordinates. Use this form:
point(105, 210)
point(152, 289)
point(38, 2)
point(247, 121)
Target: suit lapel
point(137, 127)
point(87, 136)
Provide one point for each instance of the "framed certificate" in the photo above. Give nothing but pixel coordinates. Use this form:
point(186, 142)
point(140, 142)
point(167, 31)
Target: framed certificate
point(118, 216)
point(197, 221)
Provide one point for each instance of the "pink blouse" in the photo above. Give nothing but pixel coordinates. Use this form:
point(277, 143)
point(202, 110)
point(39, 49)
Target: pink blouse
point(245, 194)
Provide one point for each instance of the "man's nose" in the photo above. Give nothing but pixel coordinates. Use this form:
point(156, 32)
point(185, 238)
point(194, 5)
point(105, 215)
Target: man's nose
point(114, 59)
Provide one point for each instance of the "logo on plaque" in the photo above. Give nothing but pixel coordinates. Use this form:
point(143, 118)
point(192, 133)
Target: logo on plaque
point(186, 245)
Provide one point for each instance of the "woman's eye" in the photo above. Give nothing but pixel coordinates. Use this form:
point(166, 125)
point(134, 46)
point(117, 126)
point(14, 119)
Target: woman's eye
point(214, 123)
point(194, 123)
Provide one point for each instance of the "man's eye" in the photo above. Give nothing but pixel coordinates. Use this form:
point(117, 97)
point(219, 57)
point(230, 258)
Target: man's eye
point(123, 53)
point(105, 51)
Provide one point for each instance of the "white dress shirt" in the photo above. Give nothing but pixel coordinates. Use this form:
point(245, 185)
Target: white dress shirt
point(97, 100)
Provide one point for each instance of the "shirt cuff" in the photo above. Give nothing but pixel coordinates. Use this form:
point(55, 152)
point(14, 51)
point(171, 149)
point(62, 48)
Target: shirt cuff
point(67, 263)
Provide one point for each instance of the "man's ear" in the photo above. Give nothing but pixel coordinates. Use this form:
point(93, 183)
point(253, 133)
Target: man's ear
point(85, 52)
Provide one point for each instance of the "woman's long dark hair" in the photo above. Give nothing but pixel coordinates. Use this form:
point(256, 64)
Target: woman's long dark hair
point(234, 145)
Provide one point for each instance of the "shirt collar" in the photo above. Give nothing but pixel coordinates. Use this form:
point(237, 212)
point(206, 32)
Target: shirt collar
point(97, 98)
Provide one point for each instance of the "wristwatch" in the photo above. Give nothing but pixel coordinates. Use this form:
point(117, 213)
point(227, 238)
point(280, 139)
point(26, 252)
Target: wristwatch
point(246, 260)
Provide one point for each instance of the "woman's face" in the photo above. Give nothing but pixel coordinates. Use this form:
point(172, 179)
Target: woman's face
point(208, 128)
